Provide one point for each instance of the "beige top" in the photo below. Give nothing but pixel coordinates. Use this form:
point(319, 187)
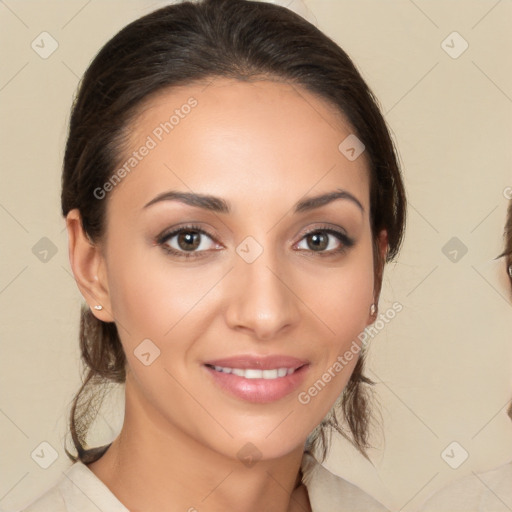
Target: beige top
point(80, 490)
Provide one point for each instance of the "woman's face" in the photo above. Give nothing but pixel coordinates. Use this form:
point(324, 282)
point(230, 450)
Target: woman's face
point(251, 275)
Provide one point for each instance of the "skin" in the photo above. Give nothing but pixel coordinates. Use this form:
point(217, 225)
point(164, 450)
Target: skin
point(261, 146)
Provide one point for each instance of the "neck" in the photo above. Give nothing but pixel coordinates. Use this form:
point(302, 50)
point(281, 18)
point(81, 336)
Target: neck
point(154, 465)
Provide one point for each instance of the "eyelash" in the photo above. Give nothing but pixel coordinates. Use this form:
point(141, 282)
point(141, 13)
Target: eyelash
point(345, 240)
point(161, 239)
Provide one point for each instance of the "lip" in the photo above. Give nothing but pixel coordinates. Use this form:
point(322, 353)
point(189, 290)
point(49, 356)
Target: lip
point(247, 361)
point(258, 390)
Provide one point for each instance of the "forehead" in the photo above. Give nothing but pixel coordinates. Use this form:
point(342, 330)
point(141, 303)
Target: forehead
point(228, 138)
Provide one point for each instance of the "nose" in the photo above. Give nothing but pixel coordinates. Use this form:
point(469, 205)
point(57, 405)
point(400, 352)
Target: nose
point(261, 298)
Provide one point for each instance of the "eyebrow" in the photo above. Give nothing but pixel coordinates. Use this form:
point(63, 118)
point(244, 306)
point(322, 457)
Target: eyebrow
point(218, 205)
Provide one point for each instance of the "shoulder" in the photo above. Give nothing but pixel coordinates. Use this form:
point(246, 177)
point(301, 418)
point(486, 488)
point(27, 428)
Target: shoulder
point(78, 489)
point(477, 492)
point(330, 493)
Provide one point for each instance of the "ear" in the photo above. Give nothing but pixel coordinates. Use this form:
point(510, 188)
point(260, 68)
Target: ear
point(380, 248)
point(88, 266)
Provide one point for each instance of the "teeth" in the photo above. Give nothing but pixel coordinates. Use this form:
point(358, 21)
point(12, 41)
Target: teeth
point(225, 370)
point(252, 373)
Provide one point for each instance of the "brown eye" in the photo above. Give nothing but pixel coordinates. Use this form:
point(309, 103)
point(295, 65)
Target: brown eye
point(189, 240)
point(326, 241)
point(318, 241)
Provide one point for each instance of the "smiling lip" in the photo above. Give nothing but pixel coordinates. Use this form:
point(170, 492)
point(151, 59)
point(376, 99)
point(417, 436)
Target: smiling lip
point(258, 390)
point(246, 362)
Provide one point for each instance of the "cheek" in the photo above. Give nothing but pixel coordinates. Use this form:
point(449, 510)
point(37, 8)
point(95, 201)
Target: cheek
point(341, 300)
point(346, 314)
point(341, 297)
point(150, 294)
point(344, 302)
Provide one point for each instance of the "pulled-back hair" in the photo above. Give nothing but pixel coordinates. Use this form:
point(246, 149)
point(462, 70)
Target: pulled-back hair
point(191, 42)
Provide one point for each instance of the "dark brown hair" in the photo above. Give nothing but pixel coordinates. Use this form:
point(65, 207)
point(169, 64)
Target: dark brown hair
point(192, 42)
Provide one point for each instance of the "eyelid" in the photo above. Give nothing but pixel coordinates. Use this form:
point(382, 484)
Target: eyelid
point(324, 227)
point(168, 233)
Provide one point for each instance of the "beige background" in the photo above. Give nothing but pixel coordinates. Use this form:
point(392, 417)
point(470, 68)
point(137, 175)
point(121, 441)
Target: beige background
point(443, 365)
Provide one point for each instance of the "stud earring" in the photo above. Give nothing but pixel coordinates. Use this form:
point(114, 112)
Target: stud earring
point(98, 307)
point(373, 308)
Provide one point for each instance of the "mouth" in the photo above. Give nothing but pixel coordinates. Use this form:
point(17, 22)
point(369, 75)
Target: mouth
point(258, 379)
point(254, 373)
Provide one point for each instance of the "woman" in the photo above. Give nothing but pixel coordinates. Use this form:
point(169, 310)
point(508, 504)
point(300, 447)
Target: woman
point(231, 194)
point(490, 490)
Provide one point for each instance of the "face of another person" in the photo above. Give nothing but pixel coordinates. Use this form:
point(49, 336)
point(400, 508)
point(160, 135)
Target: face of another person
point(248, 278)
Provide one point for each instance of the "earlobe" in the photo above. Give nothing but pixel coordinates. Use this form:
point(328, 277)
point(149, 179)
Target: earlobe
point(372, 314)
point(87, 265)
